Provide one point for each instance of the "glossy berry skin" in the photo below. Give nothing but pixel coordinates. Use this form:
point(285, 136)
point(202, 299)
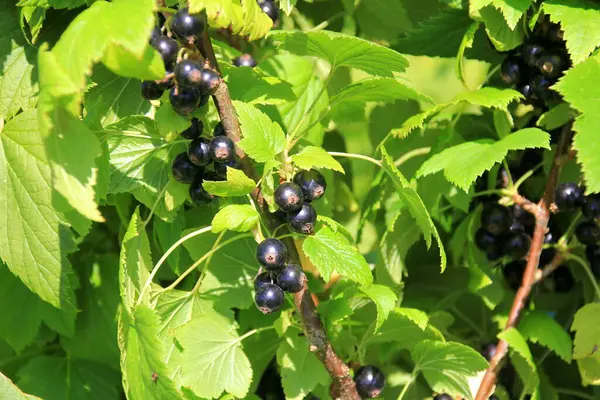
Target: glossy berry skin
point(513, 273)
point(188, 73)
point(526, 90)
point(269, 8)
point(494, 253)
point(198, 152)
point(517, 245)
point(588, 233)
point(563, 280)
point(289, 197)
point(531, 53)
point(291, 278)
point(245, 60)
point(209, 81)
point(198, 194)
point(568, 196)
point(485, 240)
point(592, 253)
point(496, 218)
point(187, 27)
point(219, 130)
point(194, 131)
point(151, 90)
point(524, 217)
point(511, 70)
point(591, 206)
point(488, 351)
point(443, 396)
point(541, 87)
point(312, 183)
point(304, 220)
point(183, 170)
point(271, 253)
point(263, 279)
point(184, 99)
point(222, 149)
point(370, 381)
point(269, 298)
point(551, 65)
point(167, 48)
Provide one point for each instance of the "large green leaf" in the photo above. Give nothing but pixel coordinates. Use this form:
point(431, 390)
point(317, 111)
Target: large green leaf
point(237, 184)
point(587, 331)
point(404, 330)
point(316, 157)
point(253, 86)
point(503, 36)
point(541, 328)
point(385, 300)
point(512, 10)
point(9, 390)
point(235, 217)
point(262, 139)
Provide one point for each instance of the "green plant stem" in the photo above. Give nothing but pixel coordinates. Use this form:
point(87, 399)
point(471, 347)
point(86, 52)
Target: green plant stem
point(526, 176)
point(584, 265)
point(357, 156)
point(158, 199)
point(507, 169)
point(166, 10)
point(421, 151)
point(254, 332)
point(207, 263)
point(405, 388)
point(575, 393)
point(29, 354)
point(289, 235)
point(564, 239)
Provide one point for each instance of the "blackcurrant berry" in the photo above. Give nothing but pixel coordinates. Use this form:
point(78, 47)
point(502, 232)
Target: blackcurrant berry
point(593, 255)
point(222, 149)
point(312, 183)
point(555, 34)
point(591, 206)
point(443, 396)
point(568, 196)
point(271, 253)
point(527, 91)
point(209, 81)
point(198, 194)
point(269, 298)
point(494, 253)
point(245, 60)
point(551, 65)
point(269, 8)
point(511, 70)
point(588, 233)
point(304, 220)
point(155, 34)
point(524, 217)
point(488, 351)
point(493, 397)
point(541, 87)
point(370, 381)
point(291, 278)
point(184, 99)
point(513, 273)
point(289, 197)
point(219, 130)
point(496, 218)
point(187, 27)
point(531, 53)
point(221, 168)
point(563, 280)
point(188, 73)
point(151, 90)
point(485, 240)
point(262, 279)
point(517, 245)
point(194, 131)
point(167, 48)
point(198, 152)
point(183, 169)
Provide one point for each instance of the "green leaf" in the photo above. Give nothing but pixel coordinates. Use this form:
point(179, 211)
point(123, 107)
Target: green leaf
point(466, 43)
point(123, 63)
point(262, 139)
point(500, 33)
point(252, 86)
point(589, 369)
point(448, 366)
point(237, 184)
point(330, 251)
point(382, 20)
point(316, 157)
point(342, 50)
point(403, 331)
point(168, 122)
point(301, 370)
point(235, 217)
point(541, 328)
point(287, 6)
point(33, 241)
point(167, 233)
point(394, 246)
point(580, 22)
point(9, 390)
point(212, 358)
point(587, 331)
point(521, 358)
point(556, 117)
point(385, 300)
point(512, 10)
point(483, 155)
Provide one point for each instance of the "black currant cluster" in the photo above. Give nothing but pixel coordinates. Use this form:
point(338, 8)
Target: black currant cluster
point(294, 198)
point(369, 381)
point(537, 63)
point(193, 167)
point(279, 276)
point(270, 8)
point(189, 81)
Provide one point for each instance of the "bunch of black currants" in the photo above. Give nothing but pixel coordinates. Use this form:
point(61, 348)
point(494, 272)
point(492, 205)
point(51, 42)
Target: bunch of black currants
point(193, 167)
point(538, 63)
point(279, 276)
point(190, 81)
point(294, 198)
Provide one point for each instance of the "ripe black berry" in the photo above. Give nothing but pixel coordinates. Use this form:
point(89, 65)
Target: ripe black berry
point(593, 255)
point(151, 90)
point(221, 168)
point(269, 298)
point(198, 152)
point(271, 253)
point(568, 196)
point(219, 130)
point(488, 351)
point(496, 218)
point(370, 381)
point(187, 27)
point(289, 197)
point(485, 240)
point(531, 53)
point(188, 73)
point(555, 34)
point(304, 220)
point(167, 48)
point(443, 396)
point(291, 278)
point(527, 91)
point(183, 169)
point(222, 149)
point(513, 273)
point(209, 81)
point(563, 280)
point(588, 233)
point(524, 217)
point(541, 87)
point(312, 183)
point(591, 206)
point(551, 65)
point(262, 279)
point(245, 60)
point(511, 70)
point(198, 194)
point(269, 8)
point(517, 245)
point(494, 253)
point(194, 131)
point(184, 99)
point(155, 34)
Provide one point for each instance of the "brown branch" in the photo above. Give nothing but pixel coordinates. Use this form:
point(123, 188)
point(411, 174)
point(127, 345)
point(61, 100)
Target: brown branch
point(343, 386)
point(541, 211)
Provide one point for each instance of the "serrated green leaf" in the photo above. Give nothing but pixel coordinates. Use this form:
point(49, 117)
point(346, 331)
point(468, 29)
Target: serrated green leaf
point(521, 358)
point(385, 300)
point(287, 6)
point(448, 366)
point(316, 157)
point(394, 246)
point(382, 20)
point(262, 139)
point(512, 10)
point(483, 155)
point(330, 251)
point(500, 33)
point(252, 86)
point(33, 241)
point(213, 360)
point(235, 217)
point(9, 390)
point(589, 368)
point(539, 327)
point(556, 117)
point(587, 331)
point(403, 331)
point(149, 66)
point(342, 50)
point(237, 184)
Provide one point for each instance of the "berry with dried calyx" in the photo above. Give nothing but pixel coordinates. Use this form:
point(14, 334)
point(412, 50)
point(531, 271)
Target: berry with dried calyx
point(369, 381)
point(303, 221)
point(288, 197)
point(245, 60)
point(312, 183)
point(269, 298)
point(183, 170)
point(194, 131)
point(291, 278)
point(271, 253)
